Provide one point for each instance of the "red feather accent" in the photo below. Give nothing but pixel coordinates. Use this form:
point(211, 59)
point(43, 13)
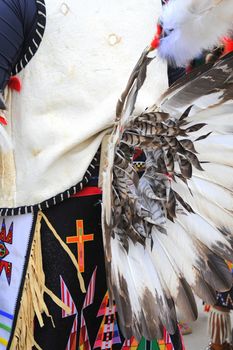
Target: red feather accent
point(228, 45)
point(207, 308)
point(15, 83)
point(3, 120)
point(155, 42)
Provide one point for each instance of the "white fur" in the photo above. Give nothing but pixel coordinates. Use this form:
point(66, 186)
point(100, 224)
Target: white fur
point(193, 25)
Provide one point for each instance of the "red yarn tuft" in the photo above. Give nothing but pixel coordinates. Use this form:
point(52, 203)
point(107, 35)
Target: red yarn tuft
point(207, 308)
point(15, 83)
point(228, 45)
point(3, 120)
point(155, 42)
point(188, 69)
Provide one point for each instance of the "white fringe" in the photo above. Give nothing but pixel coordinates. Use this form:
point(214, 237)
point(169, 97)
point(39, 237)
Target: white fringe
point(219, 326)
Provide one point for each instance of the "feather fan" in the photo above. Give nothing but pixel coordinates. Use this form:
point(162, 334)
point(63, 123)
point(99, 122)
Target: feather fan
point(167, 233)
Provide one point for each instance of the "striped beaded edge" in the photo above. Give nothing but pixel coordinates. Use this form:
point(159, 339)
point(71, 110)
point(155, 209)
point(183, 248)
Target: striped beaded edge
point(53, 200)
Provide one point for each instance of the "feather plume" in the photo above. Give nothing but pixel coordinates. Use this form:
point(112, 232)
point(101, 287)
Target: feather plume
point(191, 26)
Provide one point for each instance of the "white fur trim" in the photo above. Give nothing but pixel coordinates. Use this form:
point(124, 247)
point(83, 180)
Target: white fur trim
point(193, 25)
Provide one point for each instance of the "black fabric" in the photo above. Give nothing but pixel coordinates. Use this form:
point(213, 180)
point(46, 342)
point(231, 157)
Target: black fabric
point(225, 299)
point(57, 263)
point(176, 340)
point(17, 22)
point(174, 74)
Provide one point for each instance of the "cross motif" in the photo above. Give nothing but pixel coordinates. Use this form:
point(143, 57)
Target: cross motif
point(80, 239)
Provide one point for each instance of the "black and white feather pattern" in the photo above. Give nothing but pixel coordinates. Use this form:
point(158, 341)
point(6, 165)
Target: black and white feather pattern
point(168, 233)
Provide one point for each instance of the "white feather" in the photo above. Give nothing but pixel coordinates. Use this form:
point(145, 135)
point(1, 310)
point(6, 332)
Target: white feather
point(217, 174)
point(212, 149)
point(212, 192)
point(207, 206)
point(139, 286)
point(187, 263)
point(169, 260)
point(197, 226)
point(218, 117)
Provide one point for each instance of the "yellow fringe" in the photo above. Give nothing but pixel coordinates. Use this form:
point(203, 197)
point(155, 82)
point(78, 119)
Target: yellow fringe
point(32, 303)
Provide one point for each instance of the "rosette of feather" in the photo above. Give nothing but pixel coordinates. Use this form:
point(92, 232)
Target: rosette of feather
point(167, 233)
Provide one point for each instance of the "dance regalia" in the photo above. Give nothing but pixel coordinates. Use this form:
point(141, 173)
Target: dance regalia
point(58, 106)
point(166, 232)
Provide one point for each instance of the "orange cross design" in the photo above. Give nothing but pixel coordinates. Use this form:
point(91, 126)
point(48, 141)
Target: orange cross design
point(80, 239)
